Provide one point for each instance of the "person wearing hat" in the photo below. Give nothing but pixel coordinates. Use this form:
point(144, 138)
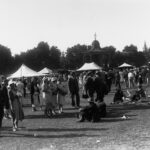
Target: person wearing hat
point(74, 90)
point(89, 112)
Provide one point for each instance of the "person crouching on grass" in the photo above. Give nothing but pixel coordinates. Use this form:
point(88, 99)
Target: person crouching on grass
point(15, 106)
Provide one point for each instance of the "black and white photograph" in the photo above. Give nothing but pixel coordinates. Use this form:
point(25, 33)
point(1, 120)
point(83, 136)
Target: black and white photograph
point(75, 75)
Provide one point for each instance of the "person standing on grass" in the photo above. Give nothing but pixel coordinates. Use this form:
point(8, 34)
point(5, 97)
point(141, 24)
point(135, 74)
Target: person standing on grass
point(4, 100)
point(46, 95)
point(125, 76)
point(109, 79)
point(131, 79)
point(117, 79)
point(100, 87)
point(62, 91)
point(54, 91)
point(89, 85)
point(121, 77)
point(74, 90)
point(24, 87)
point(32, 90)
point(20, 90)
point(15, 106)
point(37, 94)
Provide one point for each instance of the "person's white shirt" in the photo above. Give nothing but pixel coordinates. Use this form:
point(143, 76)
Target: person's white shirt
point(130, 75)
point(20, 87)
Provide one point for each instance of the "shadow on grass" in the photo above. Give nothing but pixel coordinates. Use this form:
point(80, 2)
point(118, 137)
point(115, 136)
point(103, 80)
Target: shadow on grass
point(108, 120)
point(64, 115)
point(129, 107)
point(21, 135)
point(117, 111)
point(68, 129)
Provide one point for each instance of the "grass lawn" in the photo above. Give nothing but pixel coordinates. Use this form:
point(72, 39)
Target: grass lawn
point(63, 132)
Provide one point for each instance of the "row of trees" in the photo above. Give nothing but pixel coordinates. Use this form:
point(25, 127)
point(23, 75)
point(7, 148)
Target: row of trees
point(45, 56)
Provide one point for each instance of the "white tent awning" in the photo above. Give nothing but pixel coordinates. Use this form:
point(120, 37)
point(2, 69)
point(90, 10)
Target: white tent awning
point(125, 65)
point(45, 71)
point(24, 71)
point(89, 66)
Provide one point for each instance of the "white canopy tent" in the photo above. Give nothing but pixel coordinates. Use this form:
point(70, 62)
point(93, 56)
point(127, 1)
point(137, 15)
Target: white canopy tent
point(125, 65)
point(24, 71)
point(89, 66)
point(45, 71)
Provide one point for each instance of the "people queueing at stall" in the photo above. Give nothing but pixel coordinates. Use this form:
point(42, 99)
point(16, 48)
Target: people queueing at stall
point(51, 91)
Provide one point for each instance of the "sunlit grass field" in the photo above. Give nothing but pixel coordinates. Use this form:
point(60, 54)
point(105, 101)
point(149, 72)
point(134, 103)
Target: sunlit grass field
point(63, 132)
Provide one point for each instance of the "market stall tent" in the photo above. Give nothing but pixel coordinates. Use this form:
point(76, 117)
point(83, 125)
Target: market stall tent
point(24, 71)
point(45, 71)
point(89, 66)
point(125, 65)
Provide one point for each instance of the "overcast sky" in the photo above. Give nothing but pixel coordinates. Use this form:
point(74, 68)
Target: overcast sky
point(64, 23)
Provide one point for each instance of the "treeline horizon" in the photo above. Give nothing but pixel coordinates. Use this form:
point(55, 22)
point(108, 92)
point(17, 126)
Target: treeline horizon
point(74, 57)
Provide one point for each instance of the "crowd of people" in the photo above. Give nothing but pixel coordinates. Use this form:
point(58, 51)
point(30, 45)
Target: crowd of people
point(50, 92)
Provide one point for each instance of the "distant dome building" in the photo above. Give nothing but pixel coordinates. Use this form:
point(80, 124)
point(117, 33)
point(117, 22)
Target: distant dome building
point(95, 45)
point(93, 54)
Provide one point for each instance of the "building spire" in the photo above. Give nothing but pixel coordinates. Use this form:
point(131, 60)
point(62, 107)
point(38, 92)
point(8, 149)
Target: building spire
point(145, 48)
point(95, 36)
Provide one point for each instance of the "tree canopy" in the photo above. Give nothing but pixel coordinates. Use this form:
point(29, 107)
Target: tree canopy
point(44, 55)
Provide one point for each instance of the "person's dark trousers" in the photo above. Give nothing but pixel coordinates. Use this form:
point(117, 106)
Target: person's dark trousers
point(24, 89)
point(73, 95)
point(1, 115)
point(91, 94)
point(32, 99)
point(109, 83)
point(99, 96)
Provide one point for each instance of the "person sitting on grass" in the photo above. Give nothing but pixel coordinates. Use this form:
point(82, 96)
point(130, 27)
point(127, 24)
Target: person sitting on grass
point(119, 96)
point(101, 108)
point(139, 94)
point(89, 113)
